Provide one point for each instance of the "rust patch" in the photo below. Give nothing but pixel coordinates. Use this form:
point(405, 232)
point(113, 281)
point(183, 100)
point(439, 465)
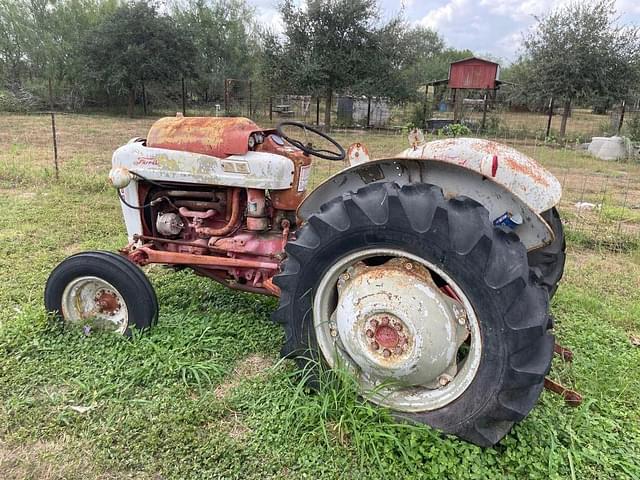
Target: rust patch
point(526, 169)
point(214, 136)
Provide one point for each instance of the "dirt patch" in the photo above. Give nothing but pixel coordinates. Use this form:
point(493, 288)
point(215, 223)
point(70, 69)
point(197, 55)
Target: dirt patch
point(234, 426)
point(249, 367)
point(46, 461)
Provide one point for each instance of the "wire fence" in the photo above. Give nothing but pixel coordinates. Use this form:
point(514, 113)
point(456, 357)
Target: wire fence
point(600, 205)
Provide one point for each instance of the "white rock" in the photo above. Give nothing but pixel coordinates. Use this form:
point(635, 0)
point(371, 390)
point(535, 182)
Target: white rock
point(608, 148)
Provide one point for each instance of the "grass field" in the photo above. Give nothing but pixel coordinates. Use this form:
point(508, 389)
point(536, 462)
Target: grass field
point(203, 394)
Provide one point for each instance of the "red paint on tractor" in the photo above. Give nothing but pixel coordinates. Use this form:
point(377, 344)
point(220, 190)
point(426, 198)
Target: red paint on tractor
point(387, 336)
point(146, 255)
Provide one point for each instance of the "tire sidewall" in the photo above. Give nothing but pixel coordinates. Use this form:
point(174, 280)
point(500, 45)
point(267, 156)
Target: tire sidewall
point(140, 308)
point(488, 310)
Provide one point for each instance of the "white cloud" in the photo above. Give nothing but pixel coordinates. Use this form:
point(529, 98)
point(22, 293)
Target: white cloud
point(443, 15)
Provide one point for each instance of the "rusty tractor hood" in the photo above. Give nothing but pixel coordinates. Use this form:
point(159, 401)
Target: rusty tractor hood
point(215, 136)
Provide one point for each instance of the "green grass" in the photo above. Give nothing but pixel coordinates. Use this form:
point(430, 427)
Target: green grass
point(203, 394)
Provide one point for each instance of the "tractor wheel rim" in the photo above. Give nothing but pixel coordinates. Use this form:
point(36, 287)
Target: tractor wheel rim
point(411, 347)
point(94, 303)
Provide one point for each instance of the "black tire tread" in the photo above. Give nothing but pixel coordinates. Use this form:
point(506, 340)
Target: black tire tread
point(133, 283)
point(550, 260)
point(504, 270)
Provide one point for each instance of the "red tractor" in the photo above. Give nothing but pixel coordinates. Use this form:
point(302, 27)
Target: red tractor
point(427, 274)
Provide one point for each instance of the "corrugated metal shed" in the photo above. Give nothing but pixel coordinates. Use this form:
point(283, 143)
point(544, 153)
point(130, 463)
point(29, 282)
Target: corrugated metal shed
point(473, 73)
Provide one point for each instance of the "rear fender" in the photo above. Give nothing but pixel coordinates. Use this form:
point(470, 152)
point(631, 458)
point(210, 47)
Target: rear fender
point(455, 180)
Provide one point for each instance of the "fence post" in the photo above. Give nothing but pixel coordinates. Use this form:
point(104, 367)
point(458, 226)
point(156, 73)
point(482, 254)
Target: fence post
point(624, 102)
point(53, 131)
point(184, 100)
point(144, 98)
point(424, 106)
point(271, 109)
point(484, 111)
point(318, 110)
point(368, 112)
point(549, 119)
point(226, 96)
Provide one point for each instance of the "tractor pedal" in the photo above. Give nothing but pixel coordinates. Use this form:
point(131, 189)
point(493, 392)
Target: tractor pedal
point(563, 352)
point(571, 397)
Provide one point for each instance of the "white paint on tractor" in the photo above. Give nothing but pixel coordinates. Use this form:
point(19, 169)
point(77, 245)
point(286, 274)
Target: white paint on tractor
point(265, 171)
point(518, 173)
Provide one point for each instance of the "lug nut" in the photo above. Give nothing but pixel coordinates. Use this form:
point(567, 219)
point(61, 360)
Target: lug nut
point(444, 379)
point(398, 327)
point(386, 353)
point(333, 331)
point(344, 277)
point(397, 350)
point(375, 345)
point(408, 266)
point(385, 321)
point(370, 333)
point(374, 323)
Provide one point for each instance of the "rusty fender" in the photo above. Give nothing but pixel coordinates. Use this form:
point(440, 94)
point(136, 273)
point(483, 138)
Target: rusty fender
point(498, 177)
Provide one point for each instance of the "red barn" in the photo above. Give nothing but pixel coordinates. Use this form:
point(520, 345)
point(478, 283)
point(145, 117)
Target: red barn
point(473, 73)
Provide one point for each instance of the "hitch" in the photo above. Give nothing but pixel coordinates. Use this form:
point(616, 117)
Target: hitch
point(571, 397)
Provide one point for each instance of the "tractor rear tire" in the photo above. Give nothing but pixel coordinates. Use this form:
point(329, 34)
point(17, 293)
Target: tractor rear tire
point(101, 290)
point(550, 259)
point(487, 263)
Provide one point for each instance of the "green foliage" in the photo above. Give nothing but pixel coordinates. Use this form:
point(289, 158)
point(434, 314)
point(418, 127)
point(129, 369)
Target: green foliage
point(136, 44)
point(578, 51)
point(455, 130)
point(632, 127)
point(222, 35)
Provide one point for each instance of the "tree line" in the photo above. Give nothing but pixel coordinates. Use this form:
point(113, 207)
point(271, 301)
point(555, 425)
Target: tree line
point(114, 52)
point(110, 52)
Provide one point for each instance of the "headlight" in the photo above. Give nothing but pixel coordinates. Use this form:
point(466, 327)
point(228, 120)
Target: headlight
point(119, 177)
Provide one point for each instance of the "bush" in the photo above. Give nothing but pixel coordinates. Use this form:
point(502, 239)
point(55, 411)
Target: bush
point(455, 130)
point(633, 128)
point(18, 101)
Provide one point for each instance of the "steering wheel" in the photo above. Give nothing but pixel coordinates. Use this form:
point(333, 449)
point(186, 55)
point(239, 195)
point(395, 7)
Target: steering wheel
point(308, 149)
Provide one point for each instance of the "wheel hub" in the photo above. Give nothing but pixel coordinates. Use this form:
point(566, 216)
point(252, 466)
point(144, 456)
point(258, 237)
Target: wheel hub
point(94, 301)
point(396, 325)
point(386, 334)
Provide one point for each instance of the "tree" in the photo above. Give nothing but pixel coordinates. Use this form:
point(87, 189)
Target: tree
point(133, 45)
point(222, 33)
point(327, 45)
point(579, 51)
point(398, 60)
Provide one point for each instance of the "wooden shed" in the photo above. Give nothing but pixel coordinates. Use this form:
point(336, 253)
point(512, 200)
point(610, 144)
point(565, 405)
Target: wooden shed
point(473, 73)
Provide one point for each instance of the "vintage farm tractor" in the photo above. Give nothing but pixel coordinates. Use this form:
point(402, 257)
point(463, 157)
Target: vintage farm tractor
point(427, 274)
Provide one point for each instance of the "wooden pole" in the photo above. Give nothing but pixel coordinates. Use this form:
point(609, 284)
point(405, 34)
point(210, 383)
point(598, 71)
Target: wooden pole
point(484, 111)
point(184, 100)
point(368, 112)
point(318, 110)
point(53, 131)
point(271, 109)
point(250, 111)
point(424, 107)
point(624, 102)
point(549, 119)
point(226, 97)
point(144, 98)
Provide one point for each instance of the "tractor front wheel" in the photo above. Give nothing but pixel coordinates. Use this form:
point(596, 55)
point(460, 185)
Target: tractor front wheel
point(432, 308)
point(102, 291)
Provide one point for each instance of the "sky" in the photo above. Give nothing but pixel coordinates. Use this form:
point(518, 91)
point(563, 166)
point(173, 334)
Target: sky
point(487, 27)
